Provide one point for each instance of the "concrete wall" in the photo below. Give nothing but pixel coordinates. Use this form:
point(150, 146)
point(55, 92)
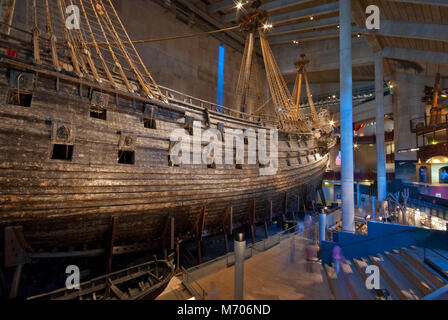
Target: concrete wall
point(325, 55)
point(188, 65)
point(407, 105)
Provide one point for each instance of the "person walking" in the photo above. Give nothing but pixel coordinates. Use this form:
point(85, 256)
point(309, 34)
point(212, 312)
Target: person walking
point(338, 258)
point(309, 257)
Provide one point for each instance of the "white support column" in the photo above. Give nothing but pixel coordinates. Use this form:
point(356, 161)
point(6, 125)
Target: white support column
point(322, 226)
point(346, 111)
point(240, 251)
point(380, 148)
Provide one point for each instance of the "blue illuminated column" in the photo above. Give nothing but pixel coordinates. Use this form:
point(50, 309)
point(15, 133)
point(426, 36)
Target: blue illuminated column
point(220, 90)
point(345, 47)
point(380, 150)
point(358, 195)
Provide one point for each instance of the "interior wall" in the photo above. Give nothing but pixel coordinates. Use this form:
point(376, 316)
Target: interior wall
point(188, 65)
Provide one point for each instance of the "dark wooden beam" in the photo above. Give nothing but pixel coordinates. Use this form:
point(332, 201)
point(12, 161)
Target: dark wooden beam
point(16, 282)
point(322, 196)
point(227, 227)
point(110, 252)
point(266, 230)
point(252, 219)
point(285, 208)
point(172, 233)
point(200, 223)
point(2, 284)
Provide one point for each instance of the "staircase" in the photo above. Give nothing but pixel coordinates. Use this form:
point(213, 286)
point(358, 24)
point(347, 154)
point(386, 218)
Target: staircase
point(405, 274)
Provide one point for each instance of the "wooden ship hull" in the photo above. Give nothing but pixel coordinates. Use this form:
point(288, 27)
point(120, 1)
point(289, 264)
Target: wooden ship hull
point(72, 201)
point(67, 197)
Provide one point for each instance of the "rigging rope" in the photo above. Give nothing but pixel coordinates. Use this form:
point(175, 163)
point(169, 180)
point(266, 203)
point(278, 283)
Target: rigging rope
point(164, 39)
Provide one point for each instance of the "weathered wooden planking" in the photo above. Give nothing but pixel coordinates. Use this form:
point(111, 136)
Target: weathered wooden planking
point(71, 202)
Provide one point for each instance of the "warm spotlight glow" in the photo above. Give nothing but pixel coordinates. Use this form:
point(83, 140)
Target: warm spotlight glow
point(267, 26)
point(239, 5)
point(311, 18)
point(331, 123)
point(355, 145)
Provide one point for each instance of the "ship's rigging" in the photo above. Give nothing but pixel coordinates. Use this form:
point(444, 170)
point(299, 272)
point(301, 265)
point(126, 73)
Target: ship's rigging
point(101, 50)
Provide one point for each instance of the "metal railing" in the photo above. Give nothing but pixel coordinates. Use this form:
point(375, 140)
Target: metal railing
point(192, 285)
point(262, 245)
point(424, 122)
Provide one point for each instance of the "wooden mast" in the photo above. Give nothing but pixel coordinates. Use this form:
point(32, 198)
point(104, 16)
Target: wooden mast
point(7, 8)
point(301, 71)
point(247, 69)
point(36, 34)
point(435, 109)
point(249, 22)
point(53, 40)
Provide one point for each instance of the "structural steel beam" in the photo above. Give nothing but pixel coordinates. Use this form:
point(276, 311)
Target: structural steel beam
point(411, 30)
point(297, 7)
point(440, 3)
point(213, 21)
point(305, 18)
point(416, 55)
point(302, 29)
point(221, 5)
point(307, 24)
point(310, 36)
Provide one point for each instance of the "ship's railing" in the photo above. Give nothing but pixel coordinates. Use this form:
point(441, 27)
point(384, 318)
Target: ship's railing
point(178, 96)
point(192, 285)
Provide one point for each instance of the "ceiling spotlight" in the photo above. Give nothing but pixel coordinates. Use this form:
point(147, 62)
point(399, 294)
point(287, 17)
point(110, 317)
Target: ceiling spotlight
point(338, 26)
point(311, 18)
point(359, 35)
point(239, 5)
point(334, 96)
point(331, 123)
point(355, 145)
point(295, 42)
point(267, 26)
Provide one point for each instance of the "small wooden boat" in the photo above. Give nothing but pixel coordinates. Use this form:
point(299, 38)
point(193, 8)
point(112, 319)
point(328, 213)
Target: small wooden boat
point(143, 281)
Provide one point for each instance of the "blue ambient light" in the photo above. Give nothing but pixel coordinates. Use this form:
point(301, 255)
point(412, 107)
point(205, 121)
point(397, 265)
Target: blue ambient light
point(220, 91)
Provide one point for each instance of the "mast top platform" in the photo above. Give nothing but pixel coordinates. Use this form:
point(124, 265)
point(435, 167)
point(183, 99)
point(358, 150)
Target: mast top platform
point(252, 20)
point(300, 64)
